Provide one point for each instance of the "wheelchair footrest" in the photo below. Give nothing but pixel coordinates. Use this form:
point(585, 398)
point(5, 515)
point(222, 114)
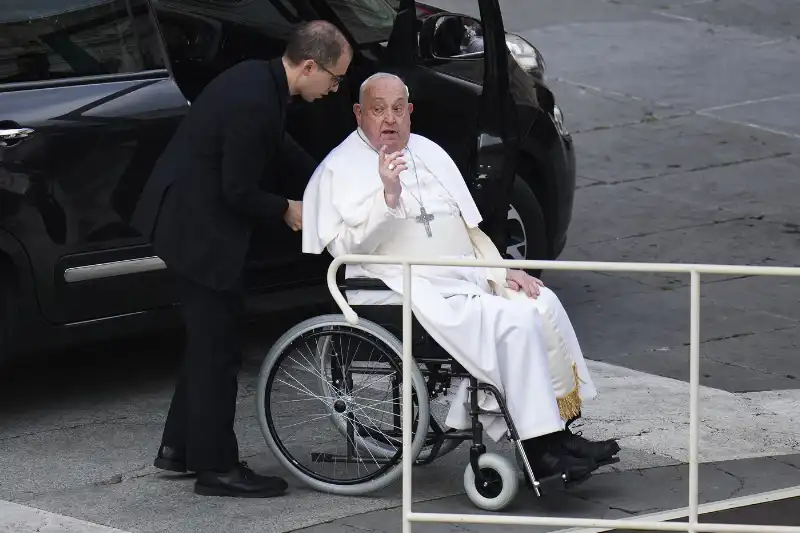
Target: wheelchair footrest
point(612, 461)
point(555, 483)
point(318, 457)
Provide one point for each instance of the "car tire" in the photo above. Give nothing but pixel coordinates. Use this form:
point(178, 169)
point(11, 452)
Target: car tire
point(6, 315)
point(8, 306)
point(526, 233)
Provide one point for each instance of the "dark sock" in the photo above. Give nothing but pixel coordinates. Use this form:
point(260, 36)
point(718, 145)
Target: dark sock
point(534, 448)
point(571, 420)
point(538, 446)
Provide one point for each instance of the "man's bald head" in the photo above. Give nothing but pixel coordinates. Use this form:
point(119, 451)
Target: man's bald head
point(383, 111)
point(317, 40)
point(391, 78)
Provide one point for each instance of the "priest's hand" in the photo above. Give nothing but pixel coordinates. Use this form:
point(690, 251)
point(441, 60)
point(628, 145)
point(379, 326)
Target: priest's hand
point(294, 215)
point(521, 281)
point(389, 167)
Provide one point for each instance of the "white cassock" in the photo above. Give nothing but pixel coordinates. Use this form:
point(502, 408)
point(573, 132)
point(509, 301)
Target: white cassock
point(525, 347)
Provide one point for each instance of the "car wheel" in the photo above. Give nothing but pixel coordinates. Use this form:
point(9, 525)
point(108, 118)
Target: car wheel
point(526, 237)
point(6, 315)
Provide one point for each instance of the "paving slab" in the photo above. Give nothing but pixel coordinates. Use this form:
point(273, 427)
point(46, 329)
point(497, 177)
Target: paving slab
point(773, 354)
point(746, 241)
point(581, 182)
point(650, 413)
point(652, 321)
point(586, 108)
point(779, 113)
point(741, 364)
point(519, 15)
point(766, 188)
point(15, 518)
point(682, 63)
point(607, 496)
point(773, 512)
point(671, 146)
point(637, 213)
point(577, 287)
point(774, 19)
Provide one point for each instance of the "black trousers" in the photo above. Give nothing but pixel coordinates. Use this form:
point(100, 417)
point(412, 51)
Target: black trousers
point(203, 409)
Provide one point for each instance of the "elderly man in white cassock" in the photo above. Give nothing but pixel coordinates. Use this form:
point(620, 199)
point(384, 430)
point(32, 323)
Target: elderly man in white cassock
point(385, 191)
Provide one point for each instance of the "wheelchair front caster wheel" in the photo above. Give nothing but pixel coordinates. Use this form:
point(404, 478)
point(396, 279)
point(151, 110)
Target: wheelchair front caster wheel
point(499, 484)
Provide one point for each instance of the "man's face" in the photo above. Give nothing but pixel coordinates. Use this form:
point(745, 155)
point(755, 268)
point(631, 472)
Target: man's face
point(385, 114)
point(319, 80)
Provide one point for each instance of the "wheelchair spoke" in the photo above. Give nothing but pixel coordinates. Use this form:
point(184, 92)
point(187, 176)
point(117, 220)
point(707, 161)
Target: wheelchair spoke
point(319, 417)
point(362, 406)
point(310, 364)
point(300, 400)
point(304, 389)
point(372, 383)
point(384, 436)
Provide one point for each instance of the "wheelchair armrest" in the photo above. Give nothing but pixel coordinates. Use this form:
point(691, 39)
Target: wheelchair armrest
point(363, 284)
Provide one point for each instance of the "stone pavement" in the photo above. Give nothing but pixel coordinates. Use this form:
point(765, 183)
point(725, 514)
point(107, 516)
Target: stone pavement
point(72, 463)
point(649, 492)
point(658, 493)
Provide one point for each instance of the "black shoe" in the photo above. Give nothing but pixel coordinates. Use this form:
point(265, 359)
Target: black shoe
point(547, 459)
point(578, 446)
point(239, 482)
point(551, 464)
point(170, 459)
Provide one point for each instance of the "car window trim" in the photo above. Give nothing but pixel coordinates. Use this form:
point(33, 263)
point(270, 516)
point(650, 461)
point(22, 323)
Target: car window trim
point(161, 73)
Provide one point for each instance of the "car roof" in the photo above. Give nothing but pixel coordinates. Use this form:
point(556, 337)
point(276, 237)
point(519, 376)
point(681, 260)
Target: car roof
point(22, 10)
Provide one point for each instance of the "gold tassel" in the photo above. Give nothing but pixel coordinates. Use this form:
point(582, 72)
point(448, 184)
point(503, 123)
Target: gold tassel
point(569, 406)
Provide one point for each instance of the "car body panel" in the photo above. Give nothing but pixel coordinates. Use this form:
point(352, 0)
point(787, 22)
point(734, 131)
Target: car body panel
point(87, 160)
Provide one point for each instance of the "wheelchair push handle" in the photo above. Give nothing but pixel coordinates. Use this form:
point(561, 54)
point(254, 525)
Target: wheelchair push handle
point(338, 297)
point(352, 284)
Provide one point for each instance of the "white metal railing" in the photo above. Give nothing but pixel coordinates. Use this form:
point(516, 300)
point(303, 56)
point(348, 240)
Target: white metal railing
point(694, 270)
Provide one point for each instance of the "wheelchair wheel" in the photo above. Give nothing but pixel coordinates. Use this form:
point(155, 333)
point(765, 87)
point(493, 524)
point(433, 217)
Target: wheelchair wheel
point(499, 486)
point(328, 350)
point(305, 395)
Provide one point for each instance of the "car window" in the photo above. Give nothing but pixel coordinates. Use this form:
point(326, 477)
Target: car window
point(462, 7)
point(57, 39)
point(460, 38)
point(368, 21)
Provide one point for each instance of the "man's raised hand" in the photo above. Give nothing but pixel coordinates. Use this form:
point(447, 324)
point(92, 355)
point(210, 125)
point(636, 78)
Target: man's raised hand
point(389, 167)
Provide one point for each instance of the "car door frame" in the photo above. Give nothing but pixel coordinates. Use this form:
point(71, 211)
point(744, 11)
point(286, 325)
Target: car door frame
point(491, 170)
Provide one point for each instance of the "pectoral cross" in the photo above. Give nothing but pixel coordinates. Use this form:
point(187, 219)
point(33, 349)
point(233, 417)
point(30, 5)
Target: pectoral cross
point(425, 219)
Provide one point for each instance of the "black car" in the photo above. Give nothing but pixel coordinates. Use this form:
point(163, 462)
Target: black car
point(92, 90)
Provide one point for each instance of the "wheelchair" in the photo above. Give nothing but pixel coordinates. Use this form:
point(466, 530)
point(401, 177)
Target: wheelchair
point(348, 379)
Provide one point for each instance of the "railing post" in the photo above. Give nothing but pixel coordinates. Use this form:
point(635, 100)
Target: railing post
point(408, 461)
point(694, 399)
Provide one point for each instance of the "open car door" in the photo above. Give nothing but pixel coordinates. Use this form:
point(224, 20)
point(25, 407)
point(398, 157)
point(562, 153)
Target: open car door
point(461, 96)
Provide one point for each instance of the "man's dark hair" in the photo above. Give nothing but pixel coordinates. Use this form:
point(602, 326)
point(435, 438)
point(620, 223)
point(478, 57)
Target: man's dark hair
point(318, 40)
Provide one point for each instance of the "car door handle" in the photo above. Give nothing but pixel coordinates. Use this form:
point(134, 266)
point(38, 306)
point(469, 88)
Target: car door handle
point(14, 134)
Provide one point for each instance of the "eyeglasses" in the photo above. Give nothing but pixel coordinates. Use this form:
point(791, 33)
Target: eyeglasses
point(335, 79)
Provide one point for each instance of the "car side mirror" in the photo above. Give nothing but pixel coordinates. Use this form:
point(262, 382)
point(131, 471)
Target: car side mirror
point(451, 36)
